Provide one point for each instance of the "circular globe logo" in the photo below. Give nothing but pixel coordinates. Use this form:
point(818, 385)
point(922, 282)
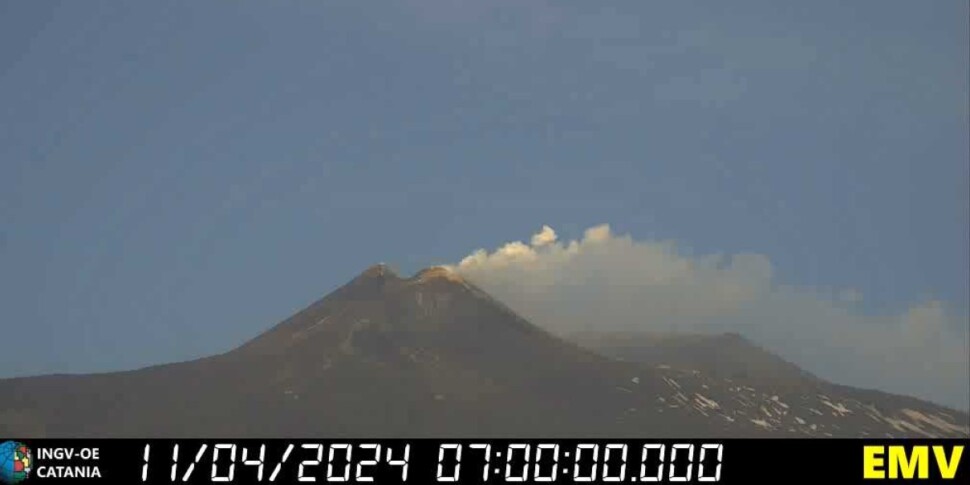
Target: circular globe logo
point(15, 462)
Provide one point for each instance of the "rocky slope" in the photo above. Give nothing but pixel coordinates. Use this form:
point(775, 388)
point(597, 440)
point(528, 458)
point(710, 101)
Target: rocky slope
point(434, 356)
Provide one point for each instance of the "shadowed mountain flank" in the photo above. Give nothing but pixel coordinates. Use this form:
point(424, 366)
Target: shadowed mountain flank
point(434, 356)
point(774, 393)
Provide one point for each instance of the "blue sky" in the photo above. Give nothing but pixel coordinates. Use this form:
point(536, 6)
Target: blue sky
point(176, 177)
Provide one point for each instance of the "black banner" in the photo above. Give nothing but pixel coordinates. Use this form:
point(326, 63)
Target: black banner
point(485, 461)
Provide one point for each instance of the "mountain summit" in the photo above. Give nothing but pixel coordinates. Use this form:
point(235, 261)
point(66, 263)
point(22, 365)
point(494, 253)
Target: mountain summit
point(434, 355)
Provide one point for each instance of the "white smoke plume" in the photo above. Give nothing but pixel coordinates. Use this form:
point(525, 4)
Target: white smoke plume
point(606, 282)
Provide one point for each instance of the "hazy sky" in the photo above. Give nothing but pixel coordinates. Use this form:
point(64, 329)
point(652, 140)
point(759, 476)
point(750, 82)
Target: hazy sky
point(176, 177)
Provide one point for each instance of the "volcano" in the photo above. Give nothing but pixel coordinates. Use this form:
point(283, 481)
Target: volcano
point(435, 356)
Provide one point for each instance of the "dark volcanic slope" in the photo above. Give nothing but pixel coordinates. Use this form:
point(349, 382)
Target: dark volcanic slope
point(426, 356)
point(773, 392)
point(726, 356)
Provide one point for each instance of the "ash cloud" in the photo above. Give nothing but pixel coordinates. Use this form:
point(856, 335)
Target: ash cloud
point(605, 282)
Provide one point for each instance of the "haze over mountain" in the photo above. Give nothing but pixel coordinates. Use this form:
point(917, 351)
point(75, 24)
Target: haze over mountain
point(606, 282)
point(725, 356)
point(433, 355)
point(176, 176)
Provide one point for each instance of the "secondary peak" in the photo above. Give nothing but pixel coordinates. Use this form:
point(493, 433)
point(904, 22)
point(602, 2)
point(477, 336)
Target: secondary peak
point(380, 270)
point(438, 273)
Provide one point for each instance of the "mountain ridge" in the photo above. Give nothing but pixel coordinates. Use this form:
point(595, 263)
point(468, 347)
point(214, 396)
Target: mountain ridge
point(433, 355)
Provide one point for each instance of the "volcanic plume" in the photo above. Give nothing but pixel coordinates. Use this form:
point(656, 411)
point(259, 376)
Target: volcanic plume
point(434, 356)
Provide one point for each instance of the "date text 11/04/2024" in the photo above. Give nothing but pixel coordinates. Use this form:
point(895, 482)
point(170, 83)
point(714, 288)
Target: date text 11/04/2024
point(455, 462)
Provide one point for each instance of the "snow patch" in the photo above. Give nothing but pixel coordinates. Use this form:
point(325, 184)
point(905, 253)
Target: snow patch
point(762, 423)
